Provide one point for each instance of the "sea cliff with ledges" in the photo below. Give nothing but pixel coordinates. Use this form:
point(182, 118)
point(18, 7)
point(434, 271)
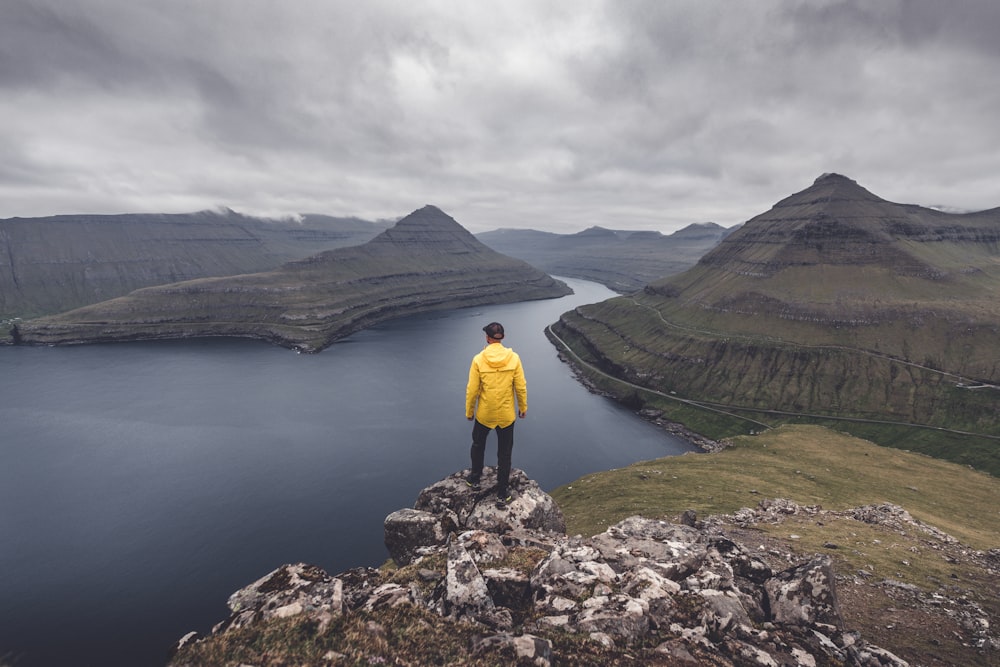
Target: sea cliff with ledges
point(835, 303)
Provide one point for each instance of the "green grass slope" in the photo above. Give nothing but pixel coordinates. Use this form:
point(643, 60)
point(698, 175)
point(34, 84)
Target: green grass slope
point(899, 587)
point(834, 305)
point(811, 465)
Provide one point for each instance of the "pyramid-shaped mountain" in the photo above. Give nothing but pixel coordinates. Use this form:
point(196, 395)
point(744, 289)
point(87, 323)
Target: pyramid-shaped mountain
point(833, 303)
point(846, 264)
point(427, 261)
point(836, 222)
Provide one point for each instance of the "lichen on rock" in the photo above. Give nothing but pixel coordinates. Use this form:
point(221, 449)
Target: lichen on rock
point(696, 595)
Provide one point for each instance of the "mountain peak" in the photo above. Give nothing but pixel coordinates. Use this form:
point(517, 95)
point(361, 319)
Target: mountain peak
point(835, 221)
point(431, 228)
point(832, 176)
point(426, 261)
point(831, 190)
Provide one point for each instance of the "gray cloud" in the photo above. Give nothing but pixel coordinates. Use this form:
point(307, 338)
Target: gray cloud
point(560, 115)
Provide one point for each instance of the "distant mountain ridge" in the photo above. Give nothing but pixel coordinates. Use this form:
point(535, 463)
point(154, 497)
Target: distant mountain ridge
point(621, 260)
point(426, 261)
point(52, 264)
point(834, 303)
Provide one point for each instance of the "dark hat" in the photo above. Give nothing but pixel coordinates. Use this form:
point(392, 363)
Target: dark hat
point(494, 330)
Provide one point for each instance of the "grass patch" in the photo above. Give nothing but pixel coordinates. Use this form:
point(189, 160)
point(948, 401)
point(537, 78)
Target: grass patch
point(522, 559)
point(980, 453)
point(872, 551)
point(810, 465)
point(416, 636)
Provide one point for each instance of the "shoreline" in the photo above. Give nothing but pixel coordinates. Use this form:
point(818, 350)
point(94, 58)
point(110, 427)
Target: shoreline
point(651, 415)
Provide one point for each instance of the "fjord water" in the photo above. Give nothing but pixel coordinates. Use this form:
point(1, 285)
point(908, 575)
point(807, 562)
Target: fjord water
point(143, 483)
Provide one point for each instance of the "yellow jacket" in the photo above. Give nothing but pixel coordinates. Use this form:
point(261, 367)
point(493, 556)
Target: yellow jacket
point(495, 377)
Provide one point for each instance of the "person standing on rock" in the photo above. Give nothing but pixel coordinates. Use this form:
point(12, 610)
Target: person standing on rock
point(496, 394)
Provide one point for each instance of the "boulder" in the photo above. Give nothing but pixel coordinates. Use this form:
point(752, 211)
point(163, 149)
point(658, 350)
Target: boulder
point(483, 546)
point(805, 594)
point(454, 502)
point(509, 588)
point(287, 591)
point(407, 529)
point(387, 596)
point(467, 597)
point(614, 615)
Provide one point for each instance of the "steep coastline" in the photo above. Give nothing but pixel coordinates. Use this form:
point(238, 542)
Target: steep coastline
point(834, 304)
point(427, 261)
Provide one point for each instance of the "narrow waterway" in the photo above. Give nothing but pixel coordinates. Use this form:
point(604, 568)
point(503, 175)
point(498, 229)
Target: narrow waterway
point(143, 483)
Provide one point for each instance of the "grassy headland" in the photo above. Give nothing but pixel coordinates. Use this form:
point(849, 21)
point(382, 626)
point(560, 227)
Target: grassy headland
point(810, 465)
point(899, 586)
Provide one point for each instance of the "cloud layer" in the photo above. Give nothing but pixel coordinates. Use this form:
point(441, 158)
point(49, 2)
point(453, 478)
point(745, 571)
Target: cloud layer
point(633, 114)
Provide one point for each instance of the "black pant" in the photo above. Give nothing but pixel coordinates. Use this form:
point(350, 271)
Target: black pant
point(505, 445)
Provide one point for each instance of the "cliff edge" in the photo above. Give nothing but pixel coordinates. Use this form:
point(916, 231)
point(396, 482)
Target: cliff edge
point(473, 584)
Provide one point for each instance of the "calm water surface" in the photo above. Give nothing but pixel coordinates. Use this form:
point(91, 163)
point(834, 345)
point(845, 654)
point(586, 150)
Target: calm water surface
point(143, 483)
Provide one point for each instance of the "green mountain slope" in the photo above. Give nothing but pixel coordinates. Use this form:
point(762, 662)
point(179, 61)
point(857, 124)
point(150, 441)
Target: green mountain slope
point(426, 261)
point(836, 304)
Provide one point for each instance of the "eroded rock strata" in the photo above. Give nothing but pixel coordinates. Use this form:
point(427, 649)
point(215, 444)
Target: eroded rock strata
point(835, 302)
point(427, 261)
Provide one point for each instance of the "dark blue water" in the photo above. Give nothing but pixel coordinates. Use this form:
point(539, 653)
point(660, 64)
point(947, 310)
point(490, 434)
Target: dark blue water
point(141, 484)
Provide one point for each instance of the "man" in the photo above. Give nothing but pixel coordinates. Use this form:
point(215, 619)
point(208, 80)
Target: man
point(496, 380)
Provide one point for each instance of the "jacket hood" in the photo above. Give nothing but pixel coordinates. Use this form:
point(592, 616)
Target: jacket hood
point(496, 355)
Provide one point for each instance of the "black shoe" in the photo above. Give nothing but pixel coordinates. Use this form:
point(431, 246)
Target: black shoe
point(472, 482)
point(503, 499)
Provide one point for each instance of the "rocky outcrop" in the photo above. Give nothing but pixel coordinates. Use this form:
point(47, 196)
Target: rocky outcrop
point(427, 261)
point(450, 506)
point(947, 606)
point(666, 591)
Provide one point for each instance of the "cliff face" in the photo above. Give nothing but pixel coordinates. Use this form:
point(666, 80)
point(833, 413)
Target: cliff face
point(623, 261)
point(834, 302)
point(426, 261)
point(54, 264)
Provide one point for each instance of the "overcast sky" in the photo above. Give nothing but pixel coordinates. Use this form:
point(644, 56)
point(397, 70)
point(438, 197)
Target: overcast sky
point(552, 115)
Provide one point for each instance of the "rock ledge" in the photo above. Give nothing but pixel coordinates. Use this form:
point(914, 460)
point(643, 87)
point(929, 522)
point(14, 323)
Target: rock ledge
point(693, 594)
